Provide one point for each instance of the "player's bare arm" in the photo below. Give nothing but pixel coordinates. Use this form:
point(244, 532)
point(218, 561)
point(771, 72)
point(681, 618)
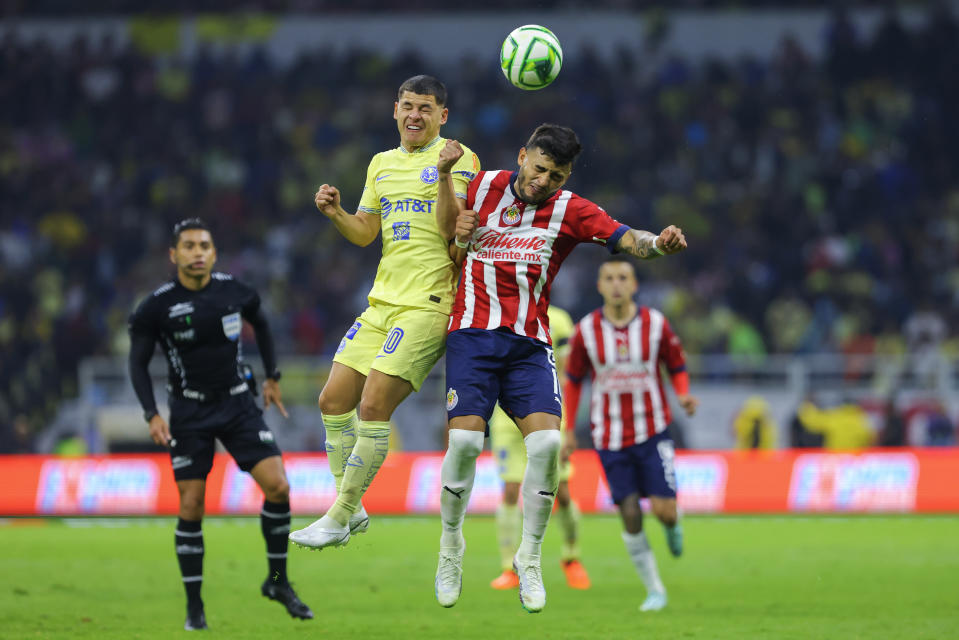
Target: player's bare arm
point(447, 204)
point(645, 245)
point(360, 229)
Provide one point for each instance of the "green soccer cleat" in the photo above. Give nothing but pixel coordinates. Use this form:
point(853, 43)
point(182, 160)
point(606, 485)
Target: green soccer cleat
point(674, 539)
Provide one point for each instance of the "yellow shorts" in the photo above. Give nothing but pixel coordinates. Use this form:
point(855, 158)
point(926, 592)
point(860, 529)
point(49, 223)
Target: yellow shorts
point(398, 341)
point(509, 450)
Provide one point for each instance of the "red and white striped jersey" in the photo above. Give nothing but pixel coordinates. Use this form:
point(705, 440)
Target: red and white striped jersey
point(628, 403)
point(515, 252)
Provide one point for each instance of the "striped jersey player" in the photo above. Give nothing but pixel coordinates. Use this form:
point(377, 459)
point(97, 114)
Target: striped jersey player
point(499, 345)
point(620, 348)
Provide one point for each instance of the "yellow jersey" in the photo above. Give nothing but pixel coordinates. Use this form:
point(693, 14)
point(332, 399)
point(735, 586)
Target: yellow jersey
point(415, 270)
point(561, 329)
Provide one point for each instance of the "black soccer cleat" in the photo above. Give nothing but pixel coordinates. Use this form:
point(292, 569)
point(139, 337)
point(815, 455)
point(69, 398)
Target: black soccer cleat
point(285, 595)
point(195, 619)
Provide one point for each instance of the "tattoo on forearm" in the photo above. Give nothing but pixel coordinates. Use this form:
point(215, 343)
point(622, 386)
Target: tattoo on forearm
point(639, 244)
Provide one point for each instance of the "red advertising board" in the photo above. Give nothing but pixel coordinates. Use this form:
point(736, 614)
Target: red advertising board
point(803, 481)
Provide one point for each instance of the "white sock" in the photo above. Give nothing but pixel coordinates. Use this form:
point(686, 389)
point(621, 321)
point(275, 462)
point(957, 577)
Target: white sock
point(539, 489)
point(459, 468)
point(642, 556)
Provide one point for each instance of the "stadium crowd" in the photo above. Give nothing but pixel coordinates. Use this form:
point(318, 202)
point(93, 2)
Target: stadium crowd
point(819, 197)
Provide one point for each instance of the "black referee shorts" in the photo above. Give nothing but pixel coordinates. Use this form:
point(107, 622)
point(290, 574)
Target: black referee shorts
point(236, 420)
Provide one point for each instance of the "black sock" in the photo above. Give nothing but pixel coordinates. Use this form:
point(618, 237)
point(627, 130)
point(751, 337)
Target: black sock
point(275, 524)
point(189, 551)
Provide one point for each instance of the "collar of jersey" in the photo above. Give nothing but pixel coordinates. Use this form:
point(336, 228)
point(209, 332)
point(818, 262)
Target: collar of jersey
point(423, 148)
point(512, 189)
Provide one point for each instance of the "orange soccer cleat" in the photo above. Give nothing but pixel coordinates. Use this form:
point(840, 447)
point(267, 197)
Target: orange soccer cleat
point(506, 580)
point(576, 576)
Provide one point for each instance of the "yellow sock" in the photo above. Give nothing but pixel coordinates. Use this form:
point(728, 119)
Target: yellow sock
point(569, 521)
point(369, 452)
point(340, 439)
point(507, 533)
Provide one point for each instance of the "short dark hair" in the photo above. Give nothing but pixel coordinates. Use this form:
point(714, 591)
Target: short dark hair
point(559, 143)
point(185, 225)
point(617, 257)
point(424, 86)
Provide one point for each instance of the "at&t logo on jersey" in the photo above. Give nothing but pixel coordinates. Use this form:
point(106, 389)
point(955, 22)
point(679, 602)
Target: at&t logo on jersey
point(511, 215)
point(429, 175)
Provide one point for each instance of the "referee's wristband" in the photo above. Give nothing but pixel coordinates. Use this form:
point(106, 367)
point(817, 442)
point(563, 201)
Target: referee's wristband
point(656, 248)
point(460, 244)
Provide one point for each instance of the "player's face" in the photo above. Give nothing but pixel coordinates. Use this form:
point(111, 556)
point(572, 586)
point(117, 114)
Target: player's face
point(617, 283)
point(418, 118)
point(194, 254)
point(539, 177)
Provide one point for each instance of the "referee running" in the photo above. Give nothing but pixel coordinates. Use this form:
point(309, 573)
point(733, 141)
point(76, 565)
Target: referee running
point(197, 317)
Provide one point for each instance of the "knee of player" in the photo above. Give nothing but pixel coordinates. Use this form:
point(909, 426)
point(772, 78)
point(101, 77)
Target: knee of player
point(466, 443)
point(665, 512)
point(331, 405)
point(191, 506)
point(278, 490)
point(375, 408)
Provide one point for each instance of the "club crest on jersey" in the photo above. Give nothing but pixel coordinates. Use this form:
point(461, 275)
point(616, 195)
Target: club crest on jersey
point(231, 325)
point(429, 175)
point(451, 399)
point(401, 231)
point(510, 215)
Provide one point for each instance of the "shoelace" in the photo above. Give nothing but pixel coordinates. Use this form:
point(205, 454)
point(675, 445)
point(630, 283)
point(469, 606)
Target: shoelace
point(448, 569)
point(534, 576)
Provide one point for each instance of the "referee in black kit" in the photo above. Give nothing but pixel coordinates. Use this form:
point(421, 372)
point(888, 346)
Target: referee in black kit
point(197, 317)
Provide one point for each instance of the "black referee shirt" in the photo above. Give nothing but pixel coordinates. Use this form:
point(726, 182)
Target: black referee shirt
point(199, 332)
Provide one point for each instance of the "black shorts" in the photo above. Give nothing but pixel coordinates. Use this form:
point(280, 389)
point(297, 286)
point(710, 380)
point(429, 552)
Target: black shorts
point(235, 420)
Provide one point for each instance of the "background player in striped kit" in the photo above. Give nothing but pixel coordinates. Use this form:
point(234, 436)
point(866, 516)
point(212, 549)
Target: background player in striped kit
point(499, 346)
point(620, 348)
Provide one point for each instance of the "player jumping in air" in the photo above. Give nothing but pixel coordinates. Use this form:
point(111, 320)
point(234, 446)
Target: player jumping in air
point(392, 346)
point(620, 348)
point(506, 443)
point(499, 346)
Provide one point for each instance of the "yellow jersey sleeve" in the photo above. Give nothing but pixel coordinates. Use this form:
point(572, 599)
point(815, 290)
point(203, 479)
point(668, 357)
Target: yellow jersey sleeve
point(464, 171)
point(370, 201)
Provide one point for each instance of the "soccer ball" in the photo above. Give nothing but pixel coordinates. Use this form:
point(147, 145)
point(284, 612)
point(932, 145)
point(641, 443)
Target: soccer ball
point(531, 57)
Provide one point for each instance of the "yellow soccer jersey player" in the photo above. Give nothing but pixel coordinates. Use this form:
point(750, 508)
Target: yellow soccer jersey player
point(389, 350)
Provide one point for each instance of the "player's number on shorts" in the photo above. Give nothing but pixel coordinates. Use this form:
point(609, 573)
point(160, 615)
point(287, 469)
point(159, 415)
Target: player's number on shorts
point(551, 357)
point(668, 455)
point(393, 340)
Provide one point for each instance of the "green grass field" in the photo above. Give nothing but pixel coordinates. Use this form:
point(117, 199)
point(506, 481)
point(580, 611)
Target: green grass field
point(749, 577)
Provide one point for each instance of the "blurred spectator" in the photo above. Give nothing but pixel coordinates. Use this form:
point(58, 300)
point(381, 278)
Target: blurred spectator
point(754, 426)
point(893, 430)
point(843, 427)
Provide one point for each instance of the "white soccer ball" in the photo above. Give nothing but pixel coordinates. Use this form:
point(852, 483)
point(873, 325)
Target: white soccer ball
point(531, 57)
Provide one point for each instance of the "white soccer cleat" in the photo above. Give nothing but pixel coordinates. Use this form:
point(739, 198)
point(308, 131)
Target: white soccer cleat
point(654, 601)
point(359, 521)
point(325, 532)
point(449, 577)
point(532, 593)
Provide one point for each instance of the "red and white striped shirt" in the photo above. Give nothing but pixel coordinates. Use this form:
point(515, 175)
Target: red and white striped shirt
point(628, 403)
point(515, 252)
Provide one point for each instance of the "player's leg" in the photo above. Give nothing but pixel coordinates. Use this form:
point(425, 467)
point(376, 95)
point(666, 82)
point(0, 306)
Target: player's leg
point(190, 549)
point(471, 361)
point(568, 515)
point(509, 451)
point(338, 401)
point(275, 526)
point(659, 476)
point(624, 478)
point(191, 454)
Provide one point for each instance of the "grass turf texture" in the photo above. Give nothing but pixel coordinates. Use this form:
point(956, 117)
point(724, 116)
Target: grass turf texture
point(770, 577)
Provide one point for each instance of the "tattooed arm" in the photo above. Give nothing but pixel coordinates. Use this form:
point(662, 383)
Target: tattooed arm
point(641, 243)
